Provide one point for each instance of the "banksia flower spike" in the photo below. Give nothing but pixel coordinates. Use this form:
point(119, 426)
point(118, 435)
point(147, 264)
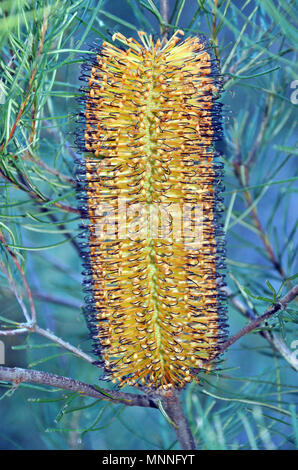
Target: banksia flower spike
point(149, 192)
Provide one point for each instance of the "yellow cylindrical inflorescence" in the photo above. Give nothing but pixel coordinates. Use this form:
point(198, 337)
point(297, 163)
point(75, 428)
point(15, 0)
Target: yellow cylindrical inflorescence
point(151, 191)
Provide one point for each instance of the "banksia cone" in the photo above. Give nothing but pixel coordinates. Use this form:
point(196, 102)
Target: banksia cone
point(149, 191)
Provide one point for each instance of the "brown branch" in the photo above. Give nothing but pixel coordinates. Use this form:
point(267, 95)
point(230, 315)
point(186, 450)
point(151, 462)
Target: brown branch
point(16, 331)
point(64, 344)
point(63, 207)
point(29, 327)
point(23, 186)
point(60, 266)
point(282, 348)
point(171, 404)
point(237, 164)
point(52, 130)
point(170, 400)
point(15, 291)
point(31, 322)
point(164, 11)
point(264, 238)
point(256, 322)
point(50, 170)
point(276, 343)
point(17, 264)
point(29, 156)
point(62, 227)
point(31, 81)
point(250, 160)
point(214, 32)
point(17, 375)
point(35, 196)
point(65, 302)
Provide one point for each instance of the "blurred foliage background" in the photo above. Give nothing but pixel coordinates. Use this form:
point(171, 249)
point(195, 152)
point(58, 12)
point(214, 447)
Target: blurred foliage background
point(250, 402)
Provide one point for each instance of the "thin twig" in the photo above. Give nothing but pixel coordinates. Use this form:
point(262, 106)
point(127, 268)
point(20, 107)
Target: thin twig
point(35, 196)
point(15, 291)
point(36, 160)
point(56, 263)
point(52, 130)
point(27, 94)
point(170, 400)
point(31, 325)
point(172, 405)
point(25, 328)
point(17, 375)
point(237, 164)
point(271, 255)
point(71, 303)
point(164, 12)
point(29, 294)
point(276, 343)
point(17, 331)
point(214, 32)
point(64, 344)
point(66, 234)
point(282, 303)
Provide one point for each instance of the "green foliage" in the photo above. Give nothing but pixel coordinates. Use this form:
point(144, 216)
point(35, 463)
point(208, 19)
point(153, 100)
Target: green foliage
point(249, 403)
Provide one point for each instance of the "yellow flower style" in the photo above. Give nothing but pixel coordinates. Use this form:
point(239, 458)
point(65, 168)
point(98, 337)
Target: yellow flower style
point(151, 187)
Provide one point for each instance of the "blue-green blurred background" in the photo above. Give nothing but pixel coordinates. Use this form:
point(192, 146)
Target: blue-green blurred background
point(250, 402)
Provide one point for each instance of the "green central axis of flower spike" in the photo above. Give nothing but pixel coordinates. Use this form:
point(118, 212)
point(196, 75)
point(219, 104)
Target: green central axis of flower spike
point(148, 186)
